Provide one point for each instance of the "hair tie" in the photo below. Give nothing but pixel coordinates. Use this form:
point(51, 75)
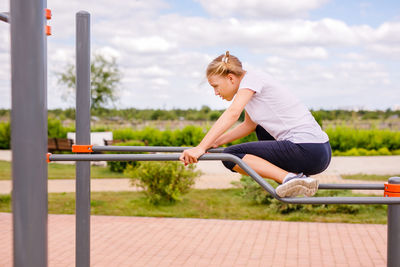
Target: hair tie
point(226, 57)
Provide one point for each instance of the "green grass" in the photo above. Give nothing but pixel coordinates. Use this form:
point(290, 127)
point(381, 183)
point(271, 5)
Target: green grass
point(213, 203)
point(63, 171)
point(368, 177)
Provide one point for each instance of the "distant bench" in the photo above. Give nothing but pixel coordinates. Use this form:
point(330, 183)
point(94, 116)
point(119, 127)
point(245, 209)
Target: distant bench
point(113, 142)
point(65, 144)
point(59, 144)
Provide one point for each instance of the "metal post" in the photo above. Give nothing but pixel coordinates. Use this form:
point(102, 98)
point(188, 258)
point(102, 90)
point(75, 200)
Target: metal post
point(29, 132)
point(393, 230)
point(82, 138)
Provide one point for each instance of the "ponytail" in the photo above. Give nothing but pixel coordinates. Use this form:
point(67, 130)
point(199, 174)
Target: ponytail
point(225, 64)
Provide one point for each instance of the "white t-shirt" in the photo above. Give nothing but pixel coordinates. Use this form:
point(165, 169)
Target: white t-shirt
point(279, 112)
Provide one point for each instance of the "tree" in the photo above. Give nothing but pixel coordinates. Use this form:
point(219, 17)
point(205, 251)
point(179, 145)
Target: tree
point(105, 78)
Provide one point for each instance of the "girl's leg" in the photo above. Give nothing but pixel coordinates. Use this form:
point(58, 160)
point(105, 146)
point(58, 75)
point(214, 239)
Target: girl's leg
point(274, 160)
point(264, 168)
point(270, 159)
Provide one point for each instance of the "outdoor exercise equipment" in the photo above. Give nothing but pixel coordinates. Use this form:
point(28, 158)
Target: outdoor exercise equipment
point(29, 144)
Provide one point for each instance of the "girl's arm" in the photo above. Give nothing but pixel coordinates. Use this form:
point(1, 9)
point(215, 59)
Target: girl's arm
point(227, 119)
point(244, 129)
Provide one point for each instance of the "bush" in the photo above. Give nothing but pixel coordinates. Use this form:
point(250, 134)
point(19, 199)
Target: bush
point(5, 135)
point(343, 140)
point(384, 151)
point(188, 136)
point(252, 191)
point(163, 181)
point(120, 166)
point(55, 128)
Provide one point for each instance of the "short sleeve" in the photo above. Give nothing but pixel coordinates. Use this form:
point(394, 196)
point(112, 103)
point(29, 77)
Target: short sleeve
point(251, 82)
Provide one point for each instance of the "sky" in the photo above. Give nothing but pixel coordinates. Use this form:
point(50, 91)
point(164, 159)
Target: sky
point(330, 54)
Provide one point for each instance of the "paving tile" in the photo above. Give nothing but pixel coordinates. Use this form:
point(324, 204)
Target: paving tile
point(142, 241)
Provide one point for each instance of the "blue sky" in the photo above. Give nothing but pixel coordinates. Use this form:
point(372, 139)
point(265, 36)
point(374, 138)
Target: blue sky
point(372, 13)
point(331, 54)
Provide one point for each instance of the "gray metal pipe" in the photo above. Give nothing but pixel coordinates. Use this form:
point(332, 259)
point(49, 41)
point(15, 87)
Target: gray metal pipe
point(82, 240)
point(241, 163)
point(149, 149)
point(220, 150)
point(165, 157)
point(5, 16)
point(352, 186)
point(29, 132)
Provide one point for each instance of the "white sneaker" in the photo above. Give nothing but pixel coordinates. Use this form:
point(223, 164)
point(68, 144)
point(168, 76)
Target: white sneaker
point(298, 185)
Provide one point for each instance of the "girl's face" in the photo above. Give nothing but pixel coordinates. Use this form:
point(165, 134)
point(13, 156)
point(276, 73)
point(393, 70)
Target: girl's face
point(224, 86)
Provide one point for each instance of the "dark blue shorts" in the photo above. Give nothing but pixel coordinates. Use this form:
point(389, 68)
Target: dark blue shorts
point(308, 158)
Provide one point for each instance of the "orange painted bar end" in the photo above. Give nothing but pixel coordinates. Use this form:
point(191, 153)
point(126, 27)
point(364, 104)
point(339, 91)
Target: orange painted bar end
point(392, 190)
point(82, 148)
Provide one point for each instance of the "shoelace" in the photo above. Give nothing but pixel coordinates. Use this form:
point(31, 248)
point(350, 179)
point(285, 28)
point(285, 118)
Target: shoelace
point(300, 175)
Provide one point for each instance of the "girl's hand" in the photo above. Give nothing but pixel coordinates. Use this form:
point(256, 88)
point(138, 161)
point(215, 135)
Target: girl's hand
point(191, 155)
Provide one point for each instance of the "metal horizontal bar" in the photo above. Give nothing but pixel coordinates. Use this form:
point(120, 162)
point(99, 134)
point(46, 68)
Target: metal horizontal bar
point(220, 150)
point(241, 163)
point(342, 200)
point(149, 149)
point(165, 157)
point(353, 186)
point(5, 16)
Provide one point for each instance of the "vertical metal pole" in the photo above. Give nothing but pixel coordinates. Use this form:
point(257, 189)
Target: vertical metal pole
point(29, 132)
point(82, 138)
point(393, 231)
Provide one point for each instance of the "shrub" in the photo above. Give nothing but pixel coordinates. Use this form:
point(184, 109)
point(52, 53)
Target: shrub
point(163, 181)
point(252, 191)
point(384, 151)
point(5, 135)
point(343, 140)
point(190, 136)
point(55, 128)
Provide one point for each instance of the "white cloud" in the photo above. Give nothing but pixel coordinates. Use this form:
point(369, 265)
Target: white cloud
point(388, 32)
point(352, 56)
point(163, 55)
point(260, 8)
point(348, 83)
point(152, 71)
point(150, 44)
point(300, 52)
point(108, 52)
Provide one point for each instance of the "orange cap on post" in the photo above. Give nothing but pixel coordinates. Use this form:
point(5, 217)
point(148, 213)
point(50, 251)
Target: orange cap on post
point(48, 157)
point(48, 30)
point(48, 13)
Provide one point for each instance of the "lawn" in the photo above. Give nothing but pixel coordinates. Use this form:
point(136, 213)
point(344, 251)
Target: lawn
point(368, 177)
point(217, 204)
point(62, 171)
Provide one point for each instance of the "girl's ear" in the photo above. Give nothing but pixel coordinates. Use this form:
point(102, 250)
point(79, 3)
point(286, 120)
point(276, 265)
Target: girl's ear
point(231, 77)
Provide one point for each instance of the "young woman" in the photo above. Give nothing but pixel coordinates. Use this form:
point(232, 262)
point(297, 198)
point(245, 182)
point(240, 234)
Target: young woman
point(291, 144)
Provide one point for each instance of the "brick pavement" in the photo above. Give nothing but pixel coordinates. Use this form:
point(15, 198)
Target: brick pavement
point(141, 241)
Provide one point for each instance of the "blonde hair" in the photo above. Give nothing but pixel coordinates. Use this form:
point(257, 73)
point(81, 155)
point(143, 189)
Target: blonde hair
point(225, 64)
